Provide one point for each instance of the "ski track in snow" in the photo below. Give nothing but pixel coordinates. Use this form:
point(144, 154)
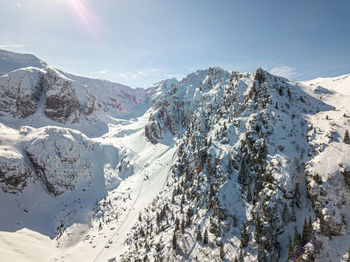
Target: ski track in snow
point(126, 217)
point(154, 177)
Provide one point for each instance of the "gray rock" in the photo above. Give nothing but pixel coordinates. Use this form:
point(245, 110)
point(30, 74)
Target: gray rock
point(14, 173)
point(59, 157)
point(20, 92)
point(62, 104)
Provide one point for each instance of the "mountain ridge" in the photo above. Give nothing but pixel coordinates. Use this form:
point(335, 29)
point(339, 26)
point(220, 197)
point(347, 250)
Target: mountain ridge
point(220, 166)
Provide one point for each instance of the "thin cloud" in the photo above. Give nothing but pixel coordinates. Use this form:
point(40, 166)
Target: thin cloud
point(103, 72)
point(19, 5)
point(123, 75)
point(14, 47)
point(286, 71)
point(127, 75)
point(147, 72)
point(144, 73)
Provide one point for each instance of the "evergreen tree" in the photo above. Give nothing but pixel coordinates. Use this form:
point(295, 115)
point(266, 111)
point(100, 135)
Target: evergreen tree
point(205, 237)
point(229, 167)
point(297, 242)
point(240, 257)
point(142, 233)
point(249, 194)
point(213, 226)
point(199, 233)
point(309, 228)
point(346, 137)
point(183, 226)
point(222, 252)
point(305, 235)
point(280, 91)
point(158, 219)
point(177, 224)
point(174, 241)
point(285, 214)
point(261, 256)
point(182, 203)
point(244, 237)
point(173, 197)
point(290, 249)
point(189, 215)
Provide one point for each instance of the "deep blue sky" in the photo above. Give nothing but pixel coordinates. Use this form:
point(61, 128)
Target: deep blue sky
point(138, 42)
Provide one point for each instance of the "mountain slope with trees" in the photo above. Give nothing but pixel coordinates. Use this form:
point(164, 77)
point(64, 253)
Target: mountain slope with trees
point(219, 166)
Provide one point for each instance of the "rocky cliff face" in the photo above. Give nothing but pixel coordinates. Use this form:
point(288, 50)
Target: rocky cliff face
point(15, 173)
point(20, 92)
point(67, 99)
point(61, 103)
point(36, 94)
point(164, 113)
point(116, 99)
point(174, 101)
point(59, 158)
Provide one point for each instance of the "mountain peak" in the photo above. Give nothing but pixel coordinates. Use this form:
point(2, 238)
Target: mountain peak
point(10, 61)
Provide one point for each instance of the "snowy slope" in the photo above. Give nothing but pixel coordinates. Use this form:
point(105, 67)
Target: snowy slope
point(26, 245)
point(217, 166)
point(327, 173)
point(240, 141)
point(63, 153)
point(245, 172)
point(340, 84)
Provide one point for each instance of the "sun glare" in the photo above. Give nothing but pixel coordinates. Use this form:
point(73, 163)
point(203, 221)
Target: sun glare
point(86, 16)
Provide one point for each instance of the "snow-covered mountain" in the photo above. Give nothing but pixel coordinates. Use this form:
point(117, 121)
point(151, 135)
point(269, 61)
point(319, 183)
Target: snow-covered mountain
point(10, 61)
point(60, 96)
point(220, 166)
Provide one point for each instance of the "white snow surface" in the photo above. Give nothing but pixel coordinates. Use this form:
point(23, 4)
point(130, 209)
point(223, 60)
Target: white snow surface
point(102, 167)
point(26, 245)
point(106, 171)
point(340, 84)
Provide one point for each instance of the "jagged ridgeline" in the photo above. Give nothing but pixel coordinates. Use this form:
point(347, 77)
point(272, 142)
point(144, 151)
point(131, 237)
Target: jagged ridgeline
point(222, 166)
point(238, 190)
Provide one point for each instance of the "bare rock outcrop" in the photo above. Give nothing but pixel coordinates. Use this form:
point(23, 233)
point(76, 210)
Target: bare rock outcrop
point(59, 158)
point(14, 172)
point(20, 92)
point(62, 104)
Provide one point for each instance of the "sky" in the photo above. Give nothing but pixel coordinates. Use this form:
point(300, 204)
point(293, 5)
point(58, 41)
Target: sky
point(140, 42)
